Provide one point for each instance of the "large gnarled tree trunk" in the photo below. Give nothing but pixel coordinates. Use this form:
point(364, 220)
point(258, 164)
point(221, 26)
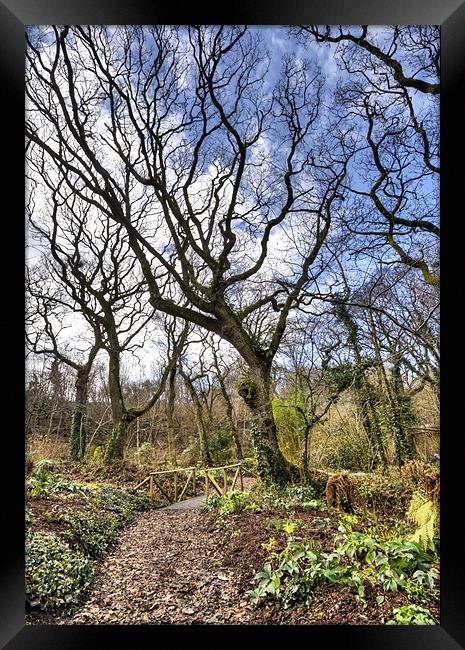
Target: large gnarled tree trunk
point(254, 389)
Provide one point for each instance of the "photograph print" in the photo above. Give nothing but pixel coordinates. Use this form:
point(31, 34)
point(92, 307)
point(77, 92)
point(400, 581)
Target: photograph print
point(232, 325)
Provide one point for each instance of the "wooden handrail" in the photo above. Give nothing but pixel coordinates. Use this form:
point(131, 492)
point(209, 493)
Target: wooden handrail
point(193, 472)
point(199, 469)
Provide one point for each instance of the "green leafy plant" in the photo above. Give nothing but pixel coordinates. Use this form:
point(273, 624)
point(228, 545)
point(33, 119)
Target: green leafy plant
point(97, 454)
point(358, 559)
point(145, 453)
point(56, 576)
point(230, 502)
point(59, 568)
point(30, 519)
point(288, 526)
point(91, 530)
point(291, 574)
point(411, 615)
point(44, 480)
point(381, 494)
point(289, 497)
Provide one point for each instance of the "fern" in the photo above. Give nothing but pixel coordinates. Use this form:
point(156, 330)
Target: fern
point(423, 513)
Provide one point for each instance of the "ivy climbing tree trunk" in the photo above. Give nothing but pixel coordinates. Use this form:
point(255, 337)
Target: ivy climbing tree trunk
point(402, 413)
point(232, 424)
point(114, 449)
point(78, 433)
point(254, 389)
point(397, 400)
point(306, 431)
point(221, 374)
point(366, 406)
point(365, 397)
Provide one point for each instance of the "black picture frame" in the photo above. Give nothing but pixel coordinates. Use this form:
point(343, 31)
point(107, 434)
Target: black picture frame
point(14, 15)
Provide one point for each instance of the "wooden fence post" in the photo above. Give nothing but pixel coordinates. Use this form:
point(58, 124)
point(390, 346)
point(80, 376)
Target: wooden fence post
point(175, 487)
point(240, 478)
point(225, 482)
point(151, 487)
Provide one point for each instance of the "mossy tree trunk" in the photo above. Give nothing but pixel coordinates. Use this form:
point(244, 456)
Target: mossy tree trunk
point(229, 406)
point(397, 400)
point(402, 412)
point(366, 407)
point(114, 450)
point(305, 453)
point(78, 433)
point(121, 415)
point(254, 389)
point(365, 397)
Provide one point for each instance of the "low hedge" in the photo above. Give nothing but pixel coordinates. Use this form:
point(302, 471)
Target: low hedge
point(59, 567)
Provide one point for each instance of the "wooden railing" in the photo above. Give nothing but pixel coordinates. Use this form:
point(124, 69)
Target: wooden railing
point(183, 482)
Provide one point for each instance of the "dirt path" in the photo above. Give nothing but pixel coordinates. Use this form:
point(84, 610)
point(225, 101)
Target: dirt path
point(187, 504)
point(167, 567)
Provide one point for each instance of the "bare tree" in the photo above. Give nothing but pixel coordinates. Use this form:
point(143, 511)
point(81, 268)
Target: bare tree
point(190, 380)
point(222, 371)
point(181, 123)
point(312, 378)
point(390, 87)
point(122, 414)
point(46, 311)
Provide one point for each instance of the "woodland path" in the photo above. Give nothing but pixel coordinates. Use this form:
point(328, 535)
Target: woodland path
point(187, 504)
point(168, 567)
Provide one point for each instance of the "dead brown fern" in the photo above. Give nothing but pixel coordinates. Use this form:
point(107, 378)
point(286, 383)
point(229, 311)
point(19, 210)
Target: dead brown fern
point(339, 492)
point(424, 477)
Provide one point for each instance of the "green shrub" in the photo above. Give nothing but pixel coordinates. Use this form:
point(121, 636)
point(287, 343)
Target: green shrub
point(59, 569)
point(411, 615)
point(97, 454)
point(56, 576)
point(358, 559)
point(145, 453)
point(220, 445)
point(382, 494)
point(122, 503)
point(288, 526)
point(230, 502)
point(291, 575)
point(44, 480)
point(95, 527)
point(289, 496)
point(91, 530)
point(351, 450)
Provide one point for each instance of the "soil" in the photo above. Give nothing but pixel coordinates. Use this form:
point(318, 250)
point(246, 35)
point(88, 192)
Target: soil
point(49, 512)
point(185, 566)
